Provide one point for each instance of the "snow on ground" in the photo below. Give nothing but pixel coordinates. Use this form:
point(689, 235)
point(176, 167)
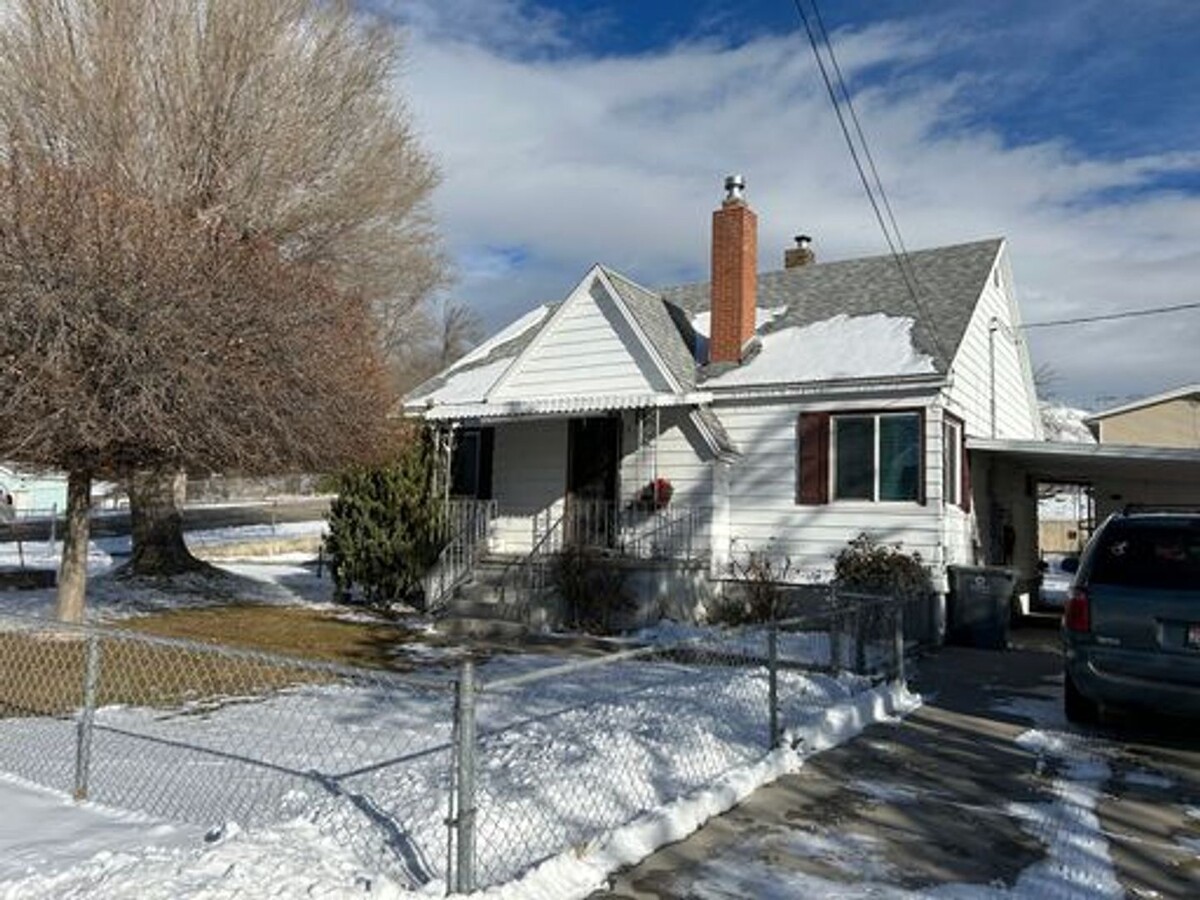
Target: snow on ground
point(577, 776)
point(1077, 864)
point(299, 792)
point(282, 578)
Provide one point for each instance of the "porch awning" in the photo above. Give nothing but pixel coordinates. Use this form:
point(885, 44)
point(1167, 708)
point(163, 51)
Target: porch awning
point(555, 407)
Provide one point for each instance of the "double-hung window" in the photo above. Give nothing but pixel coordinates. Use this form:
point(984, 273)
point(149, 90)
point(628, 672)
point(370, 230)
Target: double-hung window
point(876, 456)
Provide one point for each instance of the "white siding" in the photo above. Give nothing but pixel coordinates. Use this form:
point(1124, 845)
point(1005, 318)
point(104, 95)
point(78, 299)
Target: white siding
point(969, 394)
point(529, 476)
point(677, 453)
point(587, 348)
point(763, 512)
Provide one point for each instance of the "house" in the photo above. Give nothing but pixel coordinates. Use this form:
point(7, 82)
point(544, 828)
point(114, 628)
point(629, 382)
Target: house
point(1170, 419)
point(33, 493)
point(789, 410)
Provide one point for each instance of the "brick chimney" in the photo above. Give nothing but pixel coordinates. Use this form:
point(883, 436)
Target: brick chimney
point(800, 255)
point(734, 277)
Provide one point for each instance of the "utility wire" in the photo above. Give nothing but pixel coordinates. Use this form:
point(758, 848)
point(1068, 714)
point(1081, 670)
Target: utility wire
point(900, 255)
point(1108, 317)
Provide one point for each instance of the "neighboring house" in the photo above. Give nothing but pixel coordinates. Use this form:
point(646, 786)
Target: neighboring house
point(45, 493)
point(1170, 419)
point(34, 492)
point(789, 410)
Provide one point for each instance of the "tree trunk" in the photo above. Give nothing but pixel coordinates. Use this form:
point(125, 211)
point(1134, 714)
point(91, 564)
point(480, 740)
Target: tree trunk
point(72, 574)
point(158, 547)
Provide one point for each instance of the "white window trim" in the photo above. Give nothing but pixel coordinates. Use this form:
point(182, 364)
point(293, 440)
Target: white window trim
point(833, 460)
point(955, 442)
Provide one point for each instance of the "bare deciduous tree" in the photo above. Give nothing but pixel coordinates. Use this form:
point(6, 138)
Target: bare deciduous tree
point(274, 124)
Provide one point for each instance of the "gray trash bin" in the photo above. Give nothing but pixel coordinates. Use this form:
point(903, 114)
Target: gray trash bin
point(980, 605)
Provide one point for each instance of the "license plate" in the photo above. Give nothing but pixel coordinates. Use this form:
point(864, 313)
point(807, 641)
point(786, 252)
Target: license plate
point(1193, 636)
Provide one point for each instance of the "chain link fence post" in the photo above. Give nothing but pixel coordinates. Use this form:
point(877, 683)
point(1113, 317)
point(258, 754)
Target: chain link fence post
point(859, 621)
point(901, 676)
point(464, 781)
point(773, 680)
point(83, 732)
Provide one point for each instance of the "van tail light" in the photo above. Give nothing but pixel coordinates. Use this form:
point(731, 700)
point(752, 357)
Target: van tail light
point(1078, 614)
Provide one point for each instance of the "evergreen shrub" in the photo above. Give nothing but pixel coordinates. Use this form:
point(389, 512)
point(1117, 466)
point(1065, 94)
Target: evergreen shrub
point(386, 528)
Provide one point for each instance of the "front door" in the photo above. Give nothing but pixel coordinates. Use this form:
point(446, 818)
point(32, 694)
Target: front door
point(593, 453)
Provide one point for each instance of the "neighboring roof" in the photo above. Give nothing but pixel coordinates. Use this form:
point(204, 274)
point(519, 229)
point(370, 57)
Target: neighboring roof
point(1179, 393)
point(950, 280)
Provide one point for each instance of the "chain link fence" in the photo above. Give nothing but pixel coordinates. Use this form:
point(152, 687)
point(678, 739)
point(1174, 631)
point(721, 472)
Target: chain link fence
point(468, 779)
point(206, 735)
point(553, 759)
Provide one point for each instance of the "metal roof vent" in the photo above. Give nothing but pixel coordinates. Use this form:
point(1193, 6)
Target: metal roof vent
point(735, 188)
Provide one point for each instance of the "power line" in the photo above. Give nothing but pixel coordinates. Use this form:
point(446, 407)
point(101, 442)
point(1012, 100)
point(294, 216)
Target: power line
point(903, 262)
point(1108, 317)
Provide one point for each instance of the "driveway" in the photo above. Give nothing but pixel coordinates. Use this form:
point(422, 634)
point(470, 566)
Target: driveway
point(983, 792)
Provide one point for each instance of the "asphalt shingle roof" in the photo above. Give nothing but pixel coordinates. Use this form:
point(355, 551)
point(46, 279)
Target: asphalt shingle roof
point(654, 318)
point(949, 280)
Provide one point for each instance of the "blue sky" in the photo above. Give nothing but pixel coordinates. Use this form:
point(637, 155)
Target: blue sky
point(571, 132)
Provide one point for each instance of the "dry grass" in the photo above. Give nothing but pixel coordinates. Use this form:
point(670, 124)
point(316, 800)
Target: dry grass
point(42, 673)
point(291, 631)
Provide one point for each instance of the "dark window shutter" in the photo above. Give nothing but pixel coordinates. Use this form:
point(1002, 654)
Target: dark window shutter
point(487, 445)
point(812, 463)
point(965, 469)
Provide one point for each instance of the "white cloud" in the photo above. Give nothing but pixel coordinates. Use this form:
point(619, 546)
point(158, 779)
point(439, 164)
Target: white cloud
point(572, 159)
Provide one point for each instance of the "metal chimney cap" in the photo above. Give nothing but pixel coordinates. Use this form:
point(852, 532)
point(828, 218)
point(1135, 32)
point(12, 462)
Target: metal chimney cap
point(735, 186)
point(803, 240)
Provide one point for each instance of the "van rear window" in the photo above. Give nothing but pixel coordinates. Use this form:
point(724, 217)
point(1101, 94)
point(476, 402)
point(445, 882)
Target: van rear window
point(1154, 555)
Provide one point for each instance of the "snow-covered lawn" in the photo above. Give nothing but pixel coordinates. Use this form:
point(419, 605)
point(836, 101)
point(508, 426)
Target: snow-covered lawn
point(325, 788)
point(336, 787)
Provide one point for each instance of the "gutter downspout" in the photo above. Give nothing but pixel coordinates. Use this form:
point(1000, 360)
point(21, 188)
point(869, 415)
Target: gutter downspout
point(993, 327)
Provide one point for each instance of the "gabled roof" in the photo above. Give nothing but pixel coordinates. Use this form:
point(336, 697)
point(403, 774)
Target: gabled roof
point(654, 318)
point(1179, 393)
point(950, 280)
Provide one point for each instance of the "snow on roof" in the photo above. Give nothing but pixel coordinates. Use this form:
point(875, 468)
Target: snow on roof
point(469, 384)
point(840, 347)
point(1066, 424)
point(510, 332)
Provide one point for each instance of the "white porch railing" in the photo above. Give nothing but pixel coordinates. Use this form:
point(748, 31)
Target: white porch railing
point(670, 532)
point(468, 523)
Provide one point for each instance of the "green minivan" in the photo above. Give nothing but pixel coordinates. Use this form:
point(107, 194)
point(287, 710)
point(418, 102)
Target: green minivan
point(1131, 625)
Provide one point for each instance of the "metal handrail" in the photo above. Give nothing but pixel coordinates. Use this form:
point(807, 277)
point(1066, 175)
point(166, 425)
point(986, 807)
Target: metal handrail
point(456, 561)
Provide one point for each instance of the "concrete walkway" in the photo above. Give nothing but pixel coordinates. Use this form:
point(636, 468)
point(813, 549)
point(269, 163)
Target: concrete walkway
point(983, 792)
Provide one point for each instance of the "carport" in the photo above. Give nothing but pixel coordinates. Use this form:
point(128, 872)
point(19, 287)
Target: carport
point(1005, 475)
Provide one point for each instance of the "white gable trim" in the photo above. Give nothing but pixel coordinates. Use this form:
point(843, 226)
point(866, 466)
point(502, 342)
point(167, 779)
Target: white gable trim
point(582, 290)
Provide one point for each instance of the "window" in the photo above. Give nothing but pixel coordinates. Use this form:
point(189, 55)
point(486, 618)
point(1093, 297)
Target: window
point(471, 463)
point(952, 483)
point(877, 457)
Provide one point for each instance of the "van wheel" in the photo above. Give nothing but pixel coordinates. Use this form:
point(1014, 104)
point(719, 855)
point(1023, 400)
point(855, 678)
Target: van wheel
point(1078, 708)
